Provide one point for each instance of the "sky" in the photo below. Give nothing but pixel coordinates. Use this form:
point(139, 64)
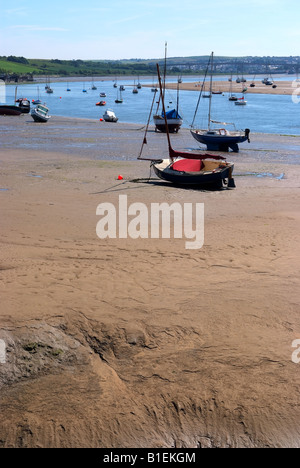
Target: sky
point(124, 29)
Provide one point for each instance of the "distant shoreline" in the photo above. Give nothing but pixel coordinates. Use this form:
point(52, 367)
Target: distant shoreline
point(283, 87)
point(120, 78)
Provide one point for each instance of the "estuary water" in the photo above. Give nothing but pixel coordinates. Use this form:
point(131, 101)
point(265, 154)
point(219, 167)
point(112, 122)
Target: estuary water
point(263, 113)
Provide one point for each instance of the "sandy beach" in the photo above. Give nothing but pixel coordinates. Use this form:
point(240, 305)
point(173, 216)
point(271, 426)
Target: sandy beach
point(282, 87)
point(141, 342)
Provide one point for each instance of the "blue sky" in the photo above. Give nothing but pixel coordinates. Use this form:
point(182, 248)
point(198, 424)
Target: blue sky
point(115, 29)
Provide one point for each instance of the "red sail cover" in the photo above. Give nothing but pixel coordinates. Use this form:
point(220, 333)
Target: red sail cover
point(188, 165)
point(186, 154)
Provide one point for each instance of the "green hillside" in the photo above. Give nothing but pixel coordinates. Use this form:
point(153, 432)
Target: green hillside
point(21, 67)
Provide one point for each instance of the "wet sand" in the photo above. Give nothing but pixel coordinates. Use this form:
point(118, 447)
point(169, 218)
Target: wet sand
point(142, 343)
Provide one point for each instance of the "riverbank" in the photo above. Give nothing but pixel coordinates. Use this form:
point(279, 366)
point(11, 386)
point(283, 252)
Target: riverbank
point(140, 342)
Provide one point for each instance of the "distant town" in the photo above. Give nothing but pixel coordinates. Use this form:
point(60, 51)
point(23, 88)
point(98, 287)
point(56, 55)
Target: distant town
point(15, 69)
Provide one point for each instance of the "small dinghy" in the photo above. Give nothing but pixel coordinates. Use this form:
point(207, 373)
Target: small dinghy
point(204, 172)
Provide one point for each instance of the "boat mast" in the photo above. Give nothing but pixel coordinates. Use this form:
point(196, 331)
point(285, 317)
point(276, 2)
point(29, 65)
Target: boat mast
point(163, 87)
point(164, 111)
point(211, 81)
point(177, 107)
point(165, 71)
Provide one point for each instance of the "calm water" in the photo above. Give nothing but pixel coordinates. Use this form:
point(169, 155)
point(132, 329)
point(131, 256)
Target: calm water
point(263, 113)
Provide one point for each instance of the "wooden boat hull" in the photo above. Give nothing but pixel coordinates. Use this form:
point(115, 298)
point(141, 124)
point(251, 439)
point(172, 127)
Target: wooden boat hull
point(220, 142)
point(10, 110)
point(210, 179)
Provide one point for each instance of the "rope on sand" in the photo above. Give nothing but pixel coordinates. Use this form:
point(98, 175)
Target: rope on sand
point(117, 186)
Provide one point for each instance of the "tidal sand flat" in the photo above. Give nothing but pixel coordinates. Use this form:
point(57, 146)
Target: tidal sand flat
point(281, 87)
point(141, 342)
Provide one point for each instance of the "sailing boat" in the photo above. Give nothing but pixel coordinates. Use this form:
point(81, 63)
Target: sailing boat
point(252, 85)
point(219, 139)
point(154, 88)
point(48, 88)
point(135, 90)
point(232, 97)
point(269, 81)
point(37, 101)
point(119, 99)
point(188, 168)
point(241, 102)
point(173, 118)
point(93, 85)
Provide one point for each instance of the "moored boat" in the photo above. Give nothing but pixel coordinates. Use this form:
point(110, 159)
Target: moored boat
point(241, 102)
point(13, 109)
point(215, 137)
point(205, 172)
point(221, 139)
point(40, 113)
point(37, 101)
point(23, 106)
point(174, 121)
point(195, 169)
point(7, 109)
point(119, 99)
point(110, 116)
point(172, 117)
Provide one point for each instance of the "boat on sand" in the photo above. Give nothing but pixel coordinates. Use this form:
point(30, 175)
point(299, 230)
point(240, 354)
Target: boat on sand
point(187, 168)
point(40, 113)
point(110, 116)
point(217, 137)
